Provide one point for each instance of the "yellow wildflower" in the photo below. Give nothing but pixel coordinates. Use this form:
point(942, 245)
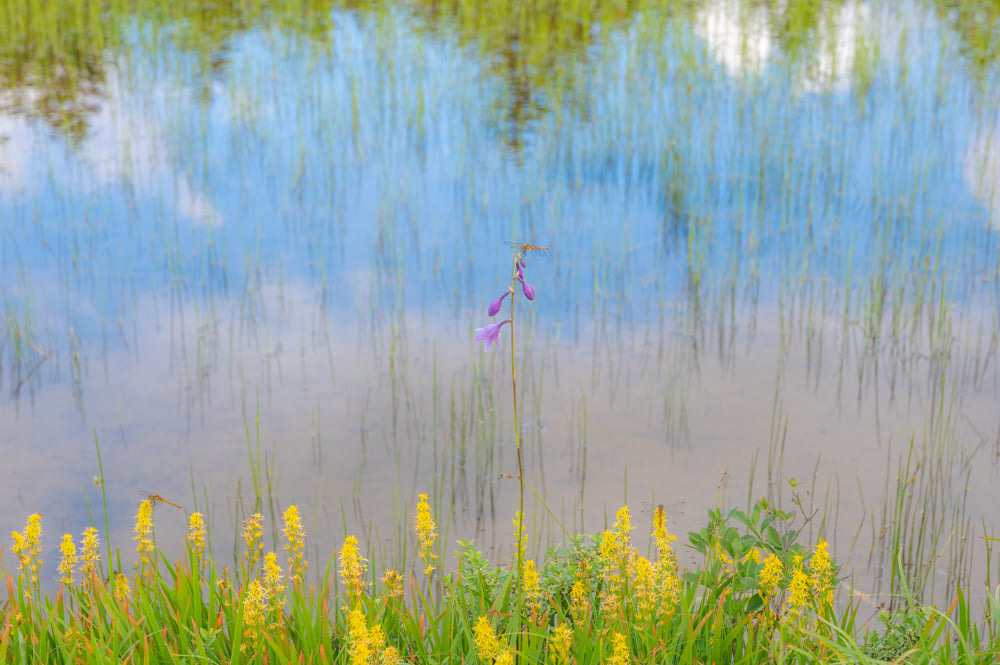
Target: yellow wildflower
point(121, 587)
point(391, 656)
point(660, 535)
point(376, 638)
point(357, 637)
point(393, 584)
point(487, 644)
point(28, 547)
point(272, 580)
point(352, 568)
point(798, 589)
point(255, 603)
point(667, 584)
point(295, 537)
point(644, 590)
point(619, 650)
point(426, 534)
point(68, 551)
point(196, 534)
point(504, 658)
point(580, 605)
point(559, 645)
point(520, 542)
point(91, 553)
point(821, 573)
point(253, 533)
point(532, 591)
point(770, 575)
point(144, 531)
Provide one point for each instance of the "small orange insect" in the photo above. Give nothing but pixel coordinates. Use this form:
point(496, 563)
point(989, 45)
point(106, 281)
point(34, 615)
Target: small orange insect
point(525, 248)
point(156, 498)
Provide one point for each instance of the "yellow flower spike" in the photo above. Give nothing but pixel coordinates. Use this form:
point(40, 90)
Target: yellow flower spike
point(667, 585)
point(144, 532)
point(392, 582)
point(357, 637)
point(798, 590)
point(253, 533)
point(520, 540)
point(644, 591)
point(663, 538)
point(426, 533)
point(504, 658)
point(121, 587)
point(196, 534)
point(487, 644)
point(28, 547)
point(623, 524)
point(580, 606)
point(770, 576)
point(559, 644)
point(532, 591)
point(376, 639)
point(391, 656)
point(255, 603)
point(352, 568)
point(67, 550)
point(91, 545)
point(295, 545)
point(272, 581)
point(821, 573)
point(619, 650)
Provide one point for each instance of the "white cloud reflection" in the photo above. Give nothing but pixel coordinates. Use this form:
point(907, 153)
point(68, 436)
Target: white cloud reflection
point(741, 37)
point(124, 147)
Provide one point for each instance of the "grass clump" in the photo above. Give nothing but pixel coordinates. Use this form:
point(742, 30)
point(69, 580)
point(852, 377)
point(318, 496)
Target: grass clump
point(755, 595)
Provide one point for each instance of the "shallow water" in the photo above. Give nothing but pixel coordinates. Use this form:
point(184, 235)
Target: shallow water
point(766, 264)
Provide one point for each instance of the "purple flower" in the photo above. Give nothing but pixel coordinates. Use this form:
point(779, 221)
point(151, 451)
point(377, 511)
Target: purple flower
point(495, 305)
point(488, 335)
point(528, 289)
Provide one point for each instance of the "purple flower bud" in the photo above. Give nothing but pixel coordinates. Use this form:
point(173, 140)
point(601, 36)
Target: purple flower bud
point(523, 263)
point(495, 305)
point(488, 335)
point(528, 290)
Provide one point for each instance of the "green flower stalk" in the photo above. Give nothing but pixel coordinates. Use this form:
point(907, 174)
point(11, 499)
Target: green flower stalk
point(489, 335)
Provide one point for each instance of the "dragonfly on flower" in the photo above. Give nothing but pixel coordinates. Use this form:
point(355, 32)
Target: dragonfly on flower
point(156, 498)
point(675, 509)
point(524, 248)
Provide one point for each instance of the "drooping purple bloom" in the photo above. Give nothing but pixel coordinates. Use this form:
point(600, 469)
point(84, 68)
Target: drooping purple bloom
point(528, 290)
point(488, 335)
point(495, 305)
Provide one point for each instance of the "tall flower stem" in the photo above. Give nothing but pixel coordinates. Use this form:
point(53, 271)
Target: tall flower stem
point(517, 440)
point(519, 522)
point(489, 335)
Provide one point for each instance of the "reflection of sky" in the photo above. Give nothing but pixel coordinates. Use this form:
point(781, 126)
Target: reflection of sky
point(337, 200)
point(742, 37)
point(383, 159)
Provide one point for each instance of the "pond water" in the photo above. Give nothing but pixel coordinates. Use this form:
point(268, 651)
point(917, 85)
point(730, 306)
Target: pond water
point(246, 258)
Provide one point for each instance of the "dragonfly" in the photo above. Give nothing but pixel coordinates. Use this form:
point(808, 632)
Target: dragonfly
point(156, 498)
point(675, 509)
point(524, 248)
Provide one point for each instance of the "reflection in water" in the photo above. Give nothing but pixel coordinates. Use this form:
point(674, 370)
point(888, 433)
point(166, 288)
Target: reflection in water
point(259, 288)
